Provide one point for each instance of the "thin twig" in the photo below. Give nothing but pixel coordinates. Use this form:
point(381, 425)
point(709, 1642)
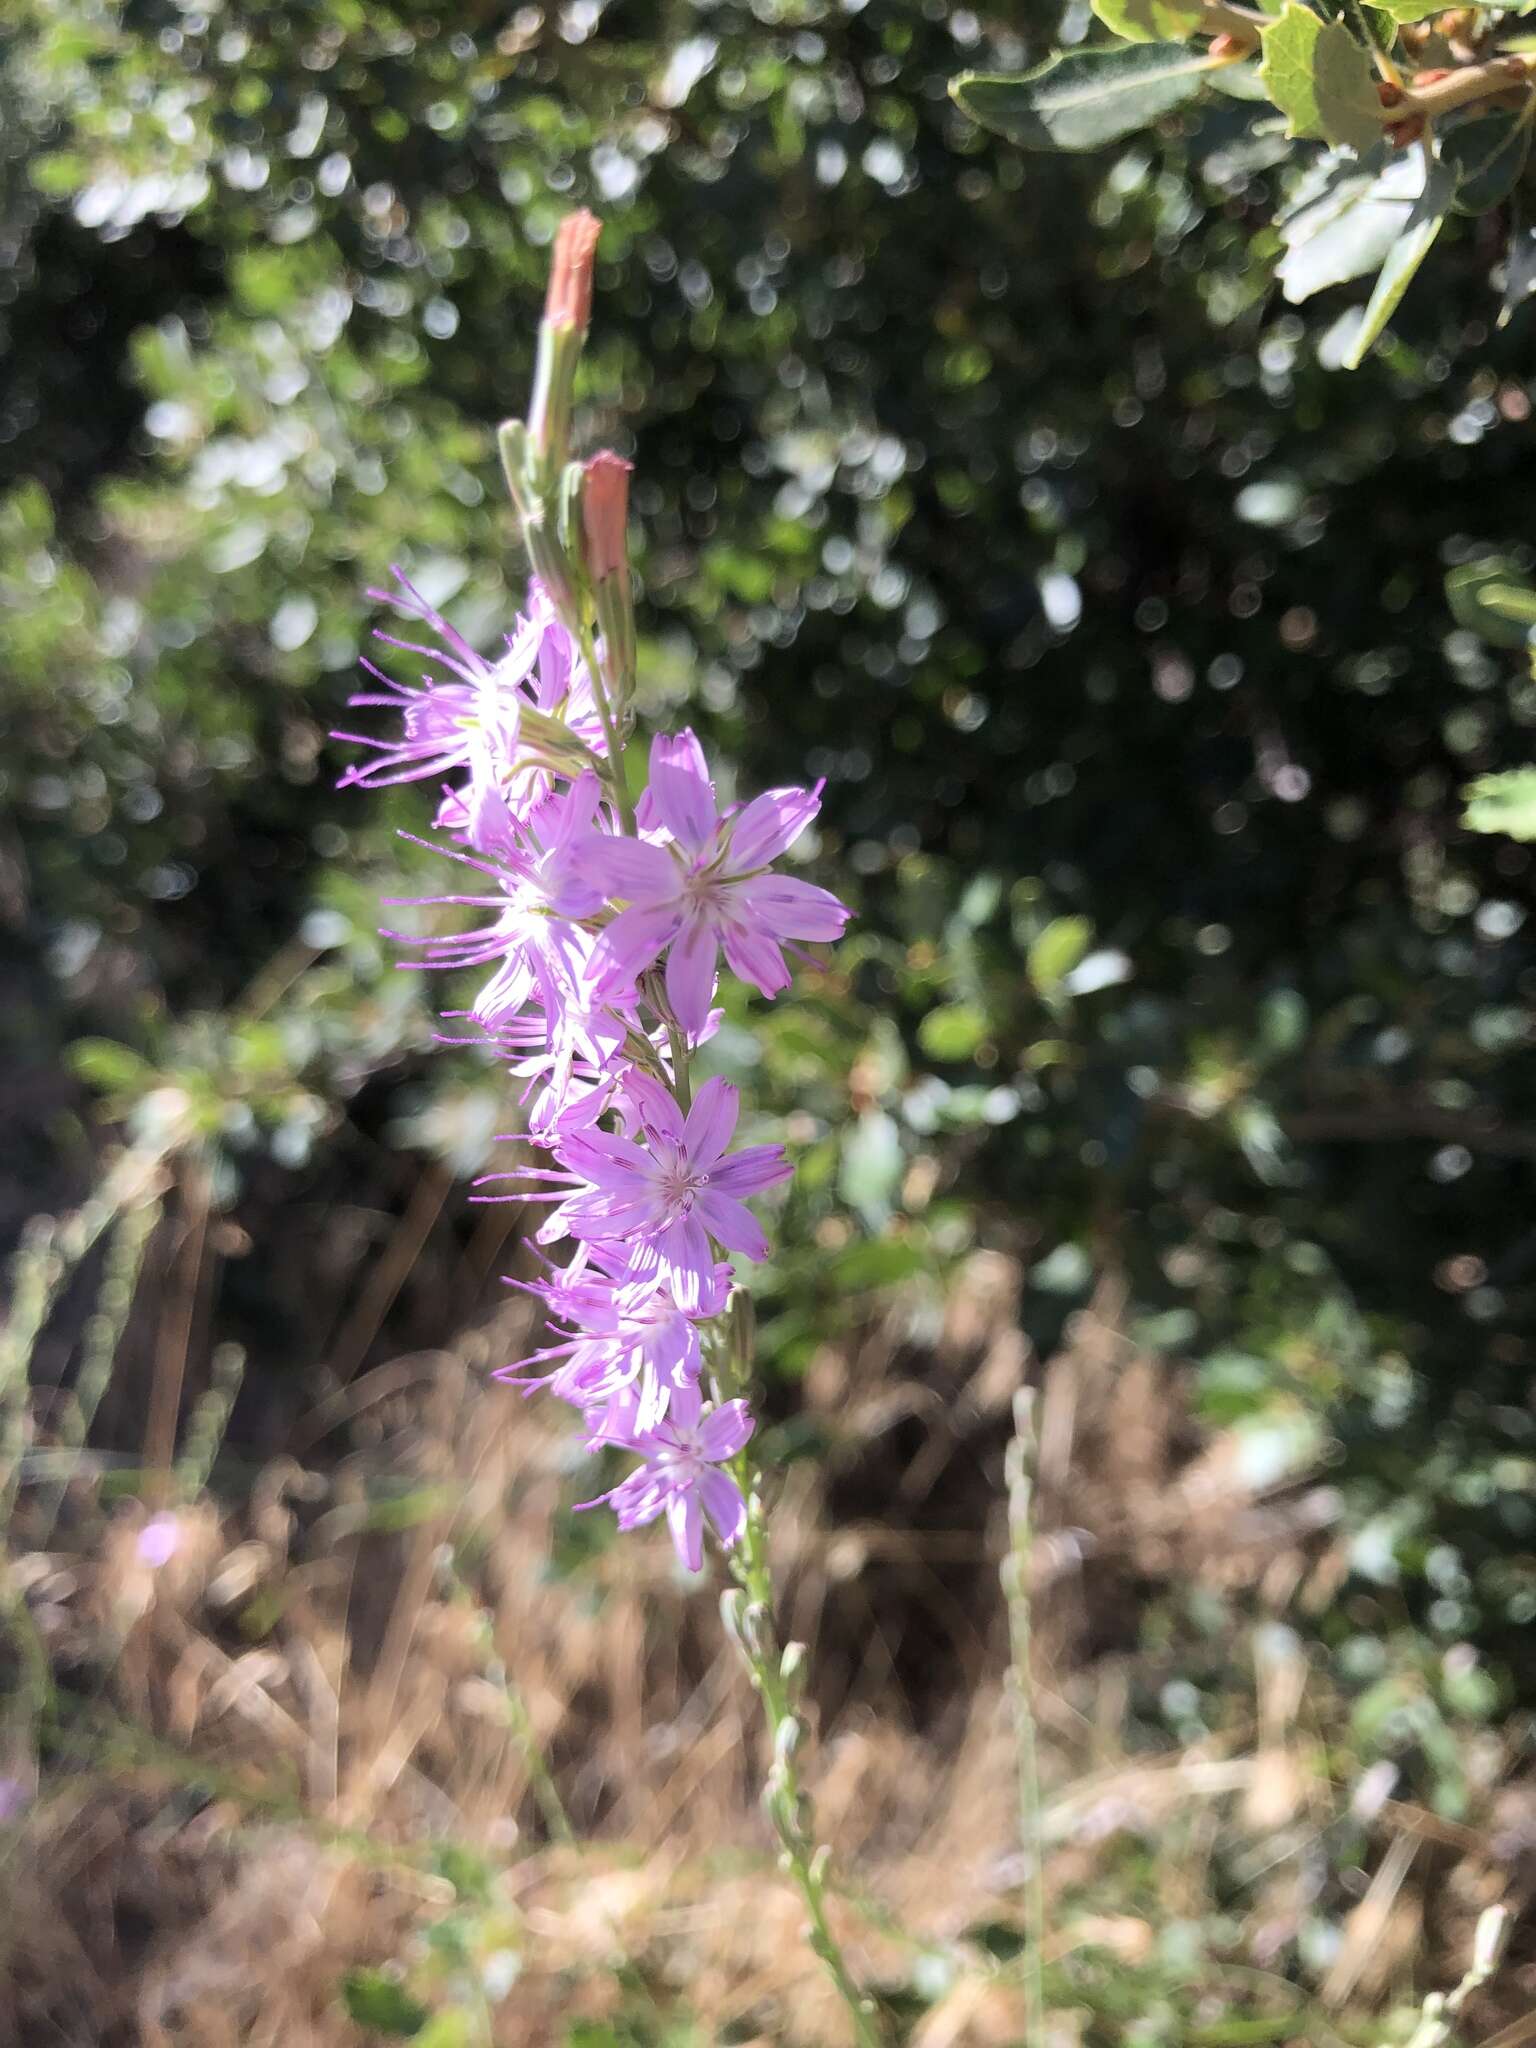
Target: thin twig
point(1019, 1472)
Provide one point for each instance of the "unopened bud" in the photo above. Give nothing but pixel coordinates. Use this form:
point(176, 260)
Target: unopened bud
point(605, 515)
point(1432, 76)
point(1228, 49)
point(1389, 94)
point(1403, 134)
point(568, 302)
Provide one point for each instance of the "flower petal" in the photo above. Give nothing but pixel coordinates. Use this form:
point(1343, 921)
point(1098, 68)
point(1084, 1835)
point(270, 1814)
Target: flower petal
point(710, 1123)
point(732, 1224)
point(724, 1505)
point(792, 909)
point(687, 1523)
point(629, 945)
point(691, 974)
point(724, 1430)
point(628, 869)
point(754, 958)
point(750, 1170)
point(680, 790)
point(762, 829)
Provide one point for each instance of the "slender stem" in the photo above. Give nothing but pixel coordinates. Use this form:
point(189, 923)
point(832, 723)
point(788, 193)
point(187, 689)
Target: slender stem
point(1019, 1470)
point(776, 1677)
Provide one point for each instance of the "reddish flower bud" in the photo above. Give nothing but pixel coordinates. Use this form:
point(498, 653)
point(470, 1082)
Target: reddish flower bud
point(605, 514)
point(1431, 77)
point(1389, 94)
point(569, 300)
point(1403, 133)
point(1227, 49)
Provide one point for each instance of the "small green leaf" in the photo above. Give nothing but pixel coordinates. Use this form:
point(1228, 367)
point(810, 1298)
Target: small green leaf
point(870, 1171)
point(1343, 222)
point(1488, 154)
point(1519, 268)
point(378, 2001)
point(1087, 97)
point(1404, 258)
point(1151, 21)
point(1409, 10)
point(1320, 79)
point(952, 1032)
point(1057, 951)
point(103, 1063)
point(455, 2029)
point(1493, 599)
point(1502, 803)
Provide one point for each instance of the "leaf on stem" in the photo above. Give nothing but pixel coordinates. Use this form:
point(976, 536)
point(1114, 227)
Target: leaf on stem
point(1320, 79)
point(1151, 21)
point(1519, 268)
point(1087, 97)
point(1494, 599)
point(1502, 803)
point(1404, 258)
point(1343, 220)
point(1488, 154)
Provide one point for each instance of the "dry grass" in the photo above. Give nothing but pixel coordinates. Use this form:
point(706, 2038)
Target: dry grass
point(254, 1756)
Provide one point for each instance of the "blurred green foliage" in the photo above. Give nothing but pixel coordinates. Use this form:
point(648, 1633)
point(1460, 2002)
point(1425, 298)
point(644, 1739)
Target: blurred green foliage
point(1005, 496)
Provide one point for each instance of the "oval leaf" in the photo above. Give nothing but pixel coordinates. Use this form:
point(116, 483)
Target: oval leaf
point(1344, 223)
point(1503, 803)
point(1407, 253)
point(1151, 21)
point(1087, 97)
point(1493, 599)
point(1320, 79)
point(1487, 154)
point(1057, 950)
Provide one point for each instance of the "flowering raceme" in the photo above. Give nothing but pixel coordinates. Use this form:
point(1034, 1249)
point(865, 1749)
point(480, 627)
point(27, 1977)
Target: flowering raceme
point(600, 929)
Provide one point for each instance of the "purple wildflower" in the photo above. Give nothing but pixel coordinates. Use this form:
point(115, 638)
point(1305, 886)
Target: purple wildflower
point(681, 1476)
point(158, 1541)
point(667, 1199)
point(708, 887)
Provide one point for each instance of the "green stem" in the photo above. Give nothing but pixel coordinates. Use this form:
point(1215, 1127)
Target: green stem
point(1019, 1472)
point(777, 1679)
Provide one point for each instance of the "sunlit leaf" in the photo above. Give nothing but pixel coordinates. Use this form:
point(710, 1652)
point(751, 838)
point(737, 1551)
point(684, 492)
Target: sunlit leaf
point(1057, 951)
point(1320, 79)
point(1494, 599)
point(1502, 803)
point(1403, 259)
point(1151, 21)
point(1488, 154)
point(1087, 97)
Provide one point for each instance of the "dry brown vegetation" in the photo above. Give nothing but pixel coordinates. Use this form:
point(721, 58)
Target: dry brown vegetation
point(253, 1756)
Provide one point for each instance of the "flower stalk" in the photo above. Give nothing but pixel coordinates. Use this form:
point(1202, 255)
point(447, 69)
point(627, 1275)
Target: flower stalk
point(605, 923)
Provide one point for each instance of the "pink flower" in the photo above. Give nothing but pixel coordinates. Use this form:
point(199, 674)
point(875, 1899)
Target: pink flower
point(665, 1200)
point(709, 886)
point(680, 1476)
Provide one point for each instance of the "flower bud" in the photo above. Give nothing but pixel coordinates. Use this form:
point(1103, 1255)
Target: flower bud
point(567, 309)
point(568, 301)
point(605, 515)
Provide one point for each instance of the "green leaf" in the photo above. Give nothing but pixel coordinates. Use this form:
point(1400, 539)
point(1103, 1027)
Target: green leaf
point(871, 1167)
point(952, 1032)
point(1151, 21)
point(1087, 97)
point(1320, 79)
point(1404, 258)
point(1494, 599)
point(1343, 222)
point(1057, 951)
point(1409, 10)
point(1502, 803)
point(377, 2001)
point(1239, 81)
point(1519, 268)
point(455, 2029)
point(103, 1063)
point(1488, 154)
